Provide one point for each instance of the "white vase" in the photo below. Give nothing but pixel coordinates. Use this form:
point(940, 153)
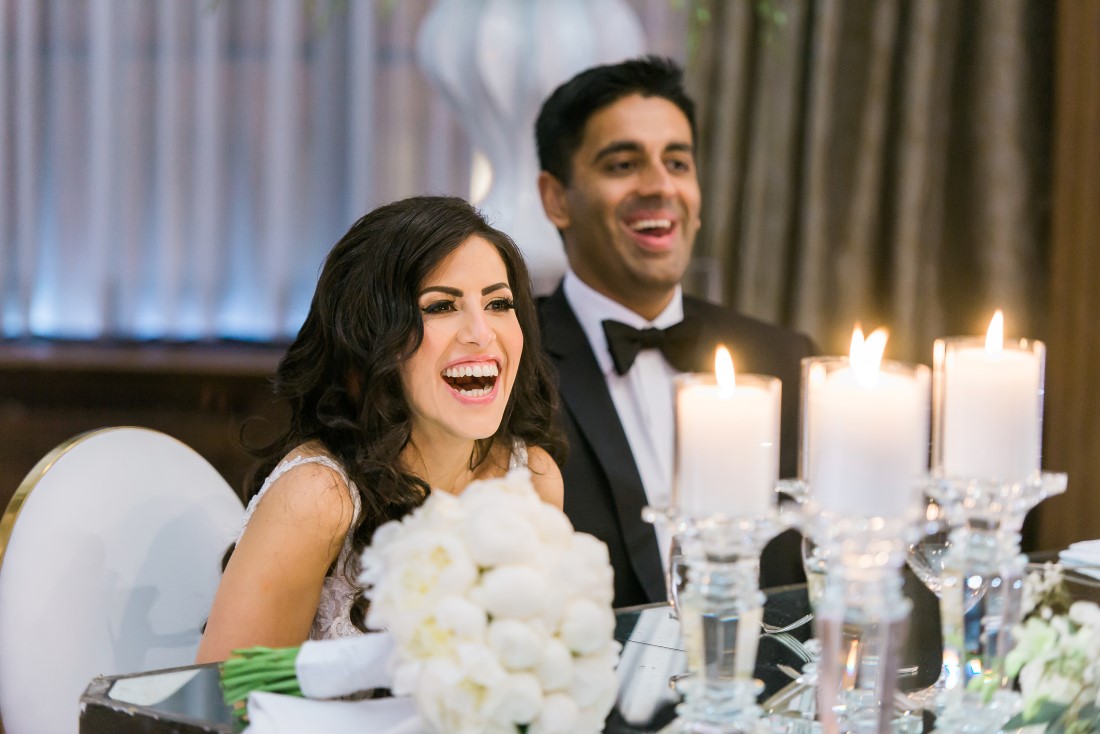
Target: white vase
point(495, 61)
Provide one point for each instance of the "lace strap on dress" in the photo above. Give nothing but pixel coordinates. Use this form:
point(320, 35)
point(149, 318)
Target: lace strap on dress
point(518, 459)
point(282, 468)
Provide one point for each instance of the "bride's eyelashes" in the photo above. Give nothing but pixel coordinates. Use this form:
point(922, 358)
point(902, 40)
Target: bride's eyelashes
point(449, 306)
point(437, 307)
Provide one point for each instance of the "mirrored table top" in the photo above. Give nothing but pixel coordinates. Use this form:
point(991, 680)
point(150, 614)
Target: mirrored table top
point(188, 700)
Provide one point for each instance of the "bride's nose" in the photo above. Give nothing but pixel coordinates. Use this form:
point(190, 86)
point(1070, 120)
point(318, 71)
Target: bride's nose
point(475, 329)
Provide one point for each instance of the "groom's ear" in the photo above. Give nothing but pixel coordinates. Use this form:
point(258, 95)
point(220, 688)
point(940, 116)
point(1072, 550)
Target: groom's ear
point(554, 203)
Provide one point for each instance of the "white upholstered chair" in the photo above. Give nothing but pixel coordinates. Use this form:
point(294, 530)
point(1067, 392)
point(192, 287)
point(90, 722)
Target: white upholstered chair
point(109, 557)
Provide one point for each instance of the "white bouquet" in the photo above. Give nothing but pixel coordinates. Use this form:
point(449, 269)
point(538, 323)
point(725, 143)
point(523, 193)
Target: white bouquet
point(1057, 658)
point(501, 612)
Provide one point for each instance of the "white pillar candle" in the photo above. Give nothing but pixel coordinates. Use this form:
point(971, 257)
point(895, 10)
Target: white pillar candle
point(991, 406)
point(727, 443)
point(866, 434)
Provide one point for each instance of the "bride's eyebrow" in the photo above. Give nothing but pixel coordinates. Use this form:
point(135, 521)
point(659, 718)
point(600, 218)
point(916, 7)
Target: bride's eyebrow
point(446, 289)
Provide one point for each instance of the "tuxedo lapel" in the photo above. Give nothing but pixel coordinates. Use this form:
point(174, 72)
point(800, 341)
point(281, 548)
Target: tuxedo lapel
point(585, 395)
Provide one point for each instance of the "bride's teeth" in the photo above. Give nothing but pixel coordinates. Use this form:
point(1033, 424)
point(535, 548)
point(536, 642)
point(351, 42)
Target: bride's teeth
point(477, 370)
point(475, 393)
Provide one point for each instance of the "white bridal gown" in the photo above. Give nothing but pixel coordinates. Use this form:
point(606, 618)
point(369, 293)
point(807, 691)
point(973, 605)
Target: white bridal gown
point(338, 594)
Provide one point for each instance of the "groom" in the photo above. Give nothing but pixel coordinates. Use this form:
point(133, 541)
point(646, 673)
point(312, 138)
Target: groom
point(618, 180)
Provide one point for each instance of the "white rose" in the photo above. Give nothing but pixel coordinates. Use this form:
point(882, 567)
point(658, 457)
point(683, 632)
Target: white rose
point(497, 535)
point(516, 700)
point(594, 681)
point(552, 525)
point(583, 568)
point(590, 720)
point(555, 670)
point(510, 591)
point(596, 712)
point(447, 700)
point(435, 564)
point(558, 716)
point(403, 627)
point(1085, 613)
point(556, 594)
point(586, 626)
point(441, 509)
point(385, 533)
point(432, 709)
point(429, 639)
point(480, 664)
point(518, 645)
point(440, 672)
point(460, 615)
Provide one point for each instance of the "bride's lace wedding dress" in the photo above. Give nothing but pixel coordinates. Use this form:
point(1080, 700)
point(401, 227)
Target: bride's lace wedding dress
point(338, 593)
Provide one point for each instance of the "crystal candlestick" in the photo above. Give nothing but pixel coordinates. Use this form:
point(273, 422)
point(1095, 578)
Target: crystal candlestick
point(726, 453)
point(862, 619)
point(721, 610)
point(864, 450)
point(987, 406)
point(983, 560)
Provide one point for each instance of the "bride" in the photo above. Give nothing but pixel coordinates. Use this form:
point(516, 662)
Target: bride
point(417, 369)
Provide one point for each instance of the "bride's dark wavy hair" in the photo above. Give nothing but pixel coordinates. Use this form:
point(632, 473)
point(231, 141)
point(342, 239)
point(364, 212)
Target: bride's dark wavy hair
point(341, 375)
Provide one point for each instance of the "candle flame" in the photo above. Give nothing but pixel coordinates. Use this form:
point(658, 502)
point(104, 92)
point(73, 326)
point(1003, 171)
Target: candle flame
point(995, 336)
point(866, 354)
point(857, 341)
point(723, 372)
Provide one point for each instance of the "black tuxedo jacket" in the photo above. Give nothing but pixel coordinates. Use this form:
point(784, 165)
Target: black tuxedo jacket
point(604, 495)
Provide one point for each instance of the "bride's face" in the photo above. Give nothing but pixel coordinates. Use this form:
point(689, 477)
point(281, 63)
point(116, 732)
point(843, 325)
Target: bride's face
point(459, 380)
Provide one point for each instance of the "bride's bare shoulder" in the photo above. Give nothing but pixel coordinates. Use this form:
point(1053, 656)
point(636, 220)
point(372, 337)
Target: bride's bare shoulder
point(312, 489)
point(546, 476)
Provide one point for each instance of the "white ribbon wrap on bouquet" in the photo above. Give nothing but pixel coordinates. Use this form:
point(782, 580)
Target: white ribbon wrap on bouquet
point(340, 667)
point(274, 713)
point(329, 669)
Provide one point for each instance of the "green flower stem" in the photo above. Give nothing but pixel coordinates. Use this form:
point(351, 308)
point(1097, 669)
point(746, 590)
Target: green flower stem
point(258, 669)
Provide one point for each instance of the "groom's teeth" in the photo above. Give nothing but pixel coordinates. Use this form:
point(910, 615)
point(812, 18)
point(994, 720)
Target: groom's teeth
point(651, 224)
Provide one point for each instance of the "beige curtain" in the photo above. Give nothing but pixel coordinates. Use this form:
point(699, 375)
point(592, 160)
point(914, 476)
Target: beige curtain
point(881, 161)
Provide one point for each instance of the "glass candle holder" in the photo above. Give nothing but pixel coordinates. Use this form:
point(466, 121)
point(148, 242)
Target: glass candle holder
point(987, 409)
point(724, 503)
point(863, 462)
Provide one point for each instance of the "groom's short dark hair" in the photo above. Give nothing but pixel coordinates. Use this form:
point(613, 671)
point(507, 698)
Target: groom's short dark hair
point(560, 125)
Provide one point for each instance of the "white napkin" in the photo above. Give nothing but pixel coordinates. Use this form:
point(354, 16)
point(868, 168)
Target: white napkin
point(339, 667)
point(1085, 552)
point(1083, 557)
point(274, 713)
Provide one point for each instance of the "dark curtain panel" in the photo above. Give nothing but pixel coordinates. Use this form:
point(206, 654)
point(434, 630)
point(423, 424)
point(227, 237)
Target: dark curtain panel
point(1073, 397)
point(881, 161)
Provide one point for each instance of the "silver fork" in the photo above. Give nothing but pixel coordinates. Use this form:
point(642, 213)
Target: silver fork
point(772, 629)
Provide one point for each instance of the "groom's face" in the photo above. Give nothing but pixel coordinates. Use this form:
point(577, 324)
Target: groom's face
point(630, 211)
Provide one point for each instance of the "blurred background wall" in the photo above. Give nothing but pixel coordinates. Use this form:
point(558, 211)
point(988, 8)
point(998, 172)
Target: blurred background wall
point(172, 173)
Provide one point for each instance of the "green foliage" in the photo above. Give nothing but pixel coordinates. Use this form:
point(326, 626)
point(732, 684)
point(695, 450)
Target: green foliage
point(1045, 714)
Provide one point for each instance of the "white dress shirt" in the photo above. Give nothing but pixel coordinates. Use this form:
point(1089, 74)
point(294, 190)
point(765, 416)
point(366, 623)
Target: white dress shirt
point(643, 397)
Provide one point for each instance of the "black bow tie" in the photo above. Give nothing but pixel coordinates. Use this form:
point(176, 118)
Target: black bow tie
point(678, 343)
